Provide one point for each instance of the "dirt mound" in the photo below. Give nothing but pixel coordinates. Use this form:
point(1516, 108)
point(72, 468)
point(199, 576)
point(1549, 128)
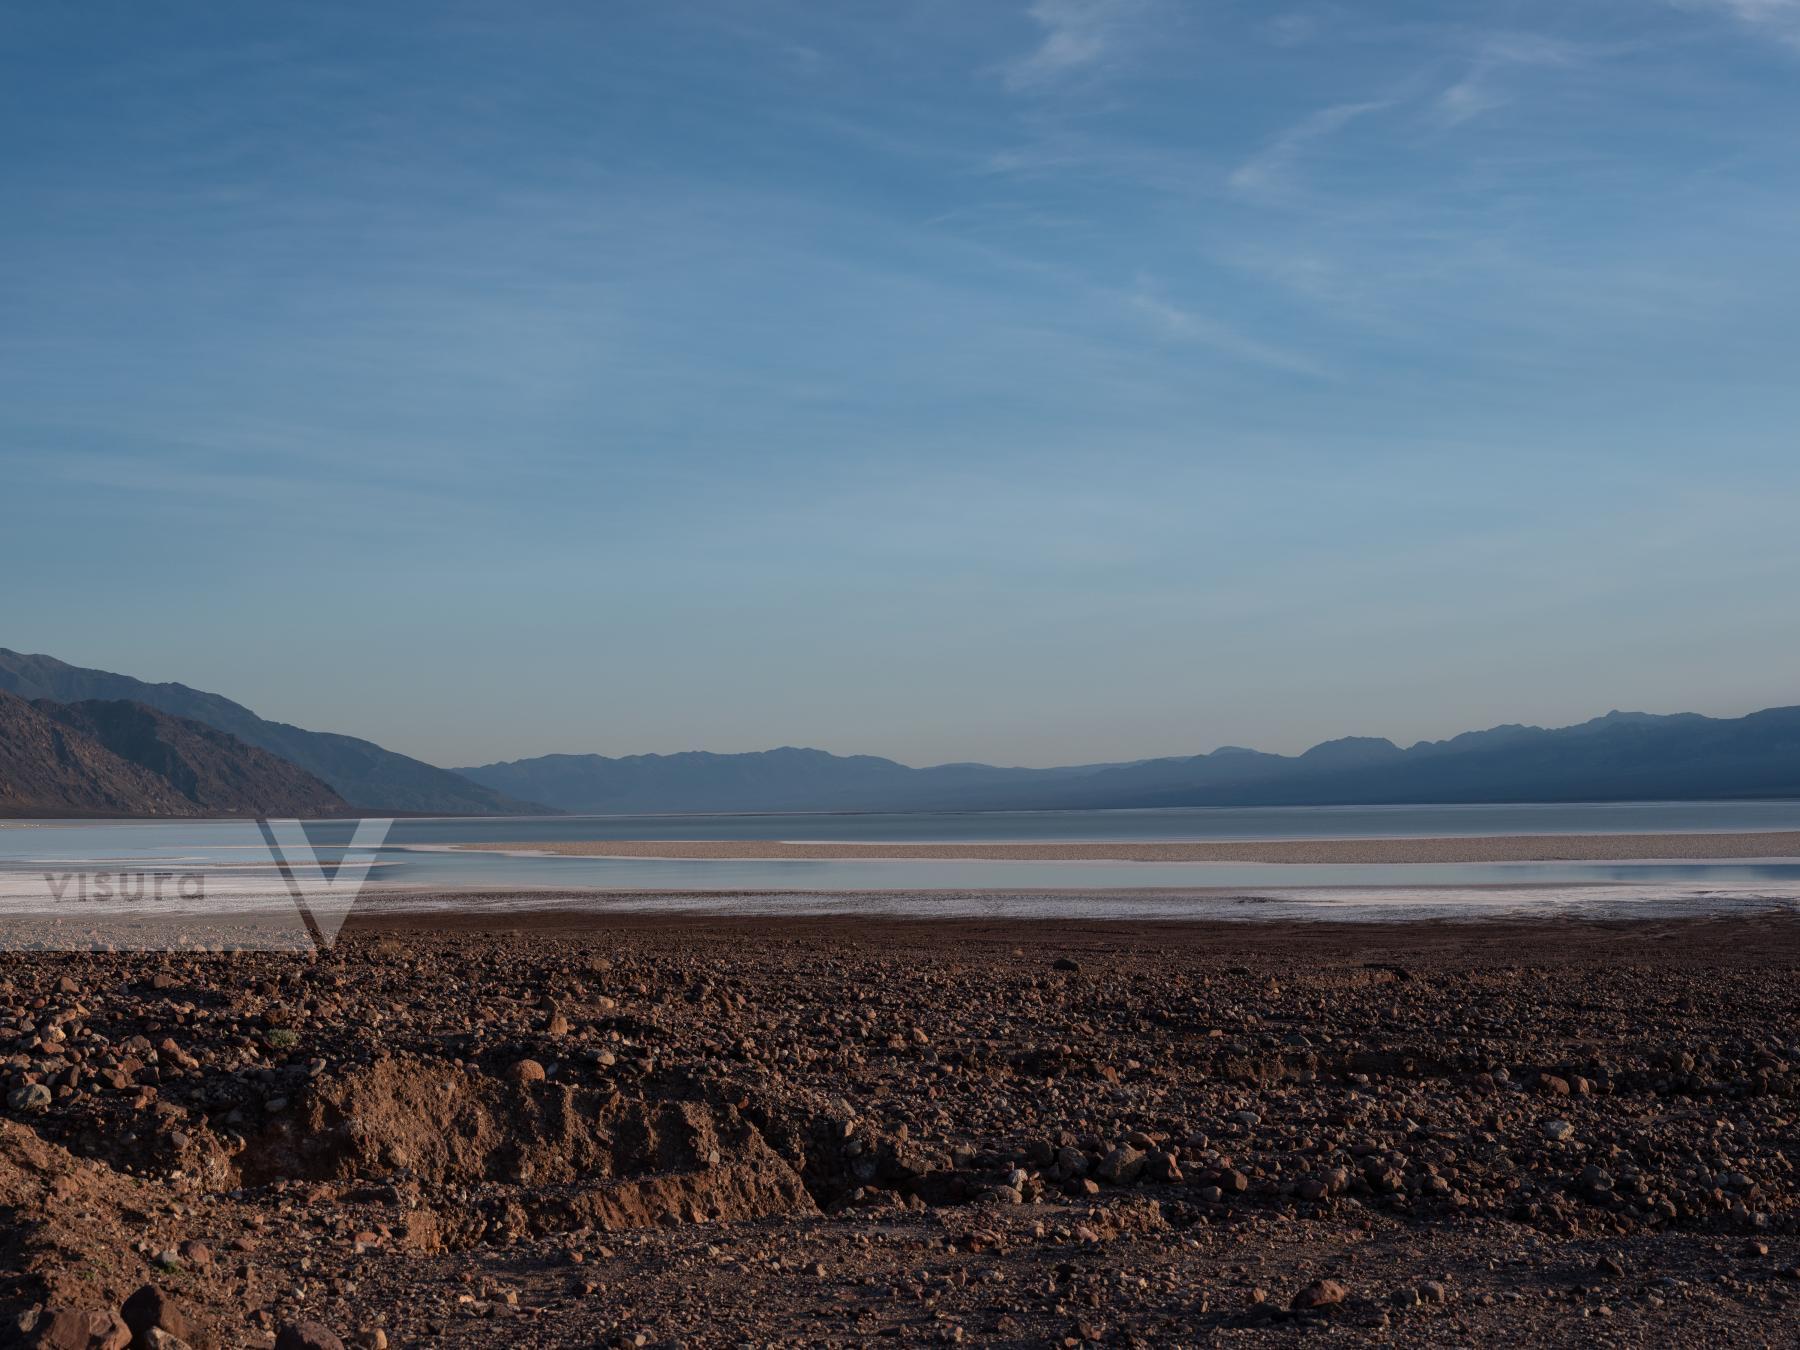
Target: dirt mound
point(551, 1156)
point(62, 1228)
point(69, 1233)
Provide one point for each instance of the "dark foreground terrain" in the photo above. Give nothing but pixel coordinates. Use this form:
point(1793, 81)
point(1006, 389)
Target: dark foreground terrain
point(556, 1132)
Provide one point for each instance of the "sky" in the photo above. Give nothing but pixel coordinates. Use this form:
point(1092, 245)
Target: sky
point(1035, 383)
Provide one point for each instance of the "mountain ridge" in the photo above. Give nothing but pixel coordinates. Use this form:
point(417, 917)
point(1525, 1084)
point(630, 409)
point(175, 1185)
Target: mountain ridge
point(1617, 756)
point(117, 758)
point(365, 774)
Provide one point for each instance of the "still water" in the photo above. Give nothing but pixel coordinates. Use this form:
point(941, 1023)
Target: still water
point(417, 864)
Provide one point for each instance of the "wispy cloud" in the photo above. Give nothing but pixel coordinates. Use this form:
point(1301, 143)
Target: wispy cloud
point(1077, 35)
point(1183, 324)
point(1483, 88)
point(1268, 173)
point(1778, 20)
point(1294, 28)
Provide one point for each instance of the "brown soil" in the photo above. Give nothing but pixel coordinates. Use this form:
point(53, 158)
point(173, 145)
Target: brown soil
point(553, 1130)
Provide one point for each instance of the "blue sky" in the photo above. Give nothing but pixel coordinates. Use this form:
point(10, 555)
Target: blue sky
point(1031, 382)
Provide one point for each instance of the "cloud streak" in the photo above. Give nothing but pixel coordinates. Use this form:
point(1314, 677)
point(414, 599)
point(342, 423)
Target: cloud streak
point(1182, 324)
point(1481, 89)
point(1778, 20)
point(1077, 35)
point(1268, 174)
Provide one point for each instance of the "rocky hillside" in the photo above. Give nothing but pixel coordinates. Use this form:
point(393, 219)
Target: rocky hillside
point(105, 757)
point(211, 768)
point(363, 773)
point(47, 768)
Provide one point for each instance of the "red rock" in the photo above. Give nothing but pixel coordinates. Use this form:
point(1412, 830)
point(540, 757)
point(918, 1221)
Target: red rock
point(1320, 1294)
point(1163, 1167)
point(307, 1336)
point(154, 1307)
point(1121, 1166)
point(70, 1329)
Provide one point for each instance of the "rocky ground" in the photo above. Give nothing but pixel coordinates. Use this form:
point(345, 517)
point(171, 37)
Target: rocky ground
point(565, 1132)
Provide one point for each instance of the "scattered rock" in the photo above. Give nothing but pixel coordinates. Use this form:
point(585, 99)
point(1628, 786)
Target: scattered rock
point(1320, 1294)
point(307, 1336)
point(1162, 1168)
point(1121, 1166)
point(70, 1329)
point(834, 1090)
point(152, 1306)
point(31, 1097)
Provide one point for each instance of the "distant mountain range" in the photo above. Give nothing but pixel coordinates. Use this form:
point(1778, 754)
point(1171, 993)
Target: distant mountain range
point(1619, 757)
point(102, 757)
point(363, 773)
point(787, 779)
point(84, 748)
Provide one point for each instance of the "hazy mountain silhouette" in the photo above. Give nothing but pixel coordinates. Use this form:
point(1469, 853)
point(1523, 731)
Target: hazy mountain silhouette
point(787, 779)
point(1618, 757)
point(363, 773)
point(118, 758)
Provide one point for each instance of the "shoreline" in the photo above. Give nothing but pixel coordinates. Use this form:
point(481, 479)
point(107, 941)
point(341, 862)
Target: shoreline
point(1757, 845)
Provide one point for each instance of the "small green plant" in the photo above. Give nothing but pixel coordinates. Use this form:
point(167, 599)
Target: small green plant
point(282, 1038)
